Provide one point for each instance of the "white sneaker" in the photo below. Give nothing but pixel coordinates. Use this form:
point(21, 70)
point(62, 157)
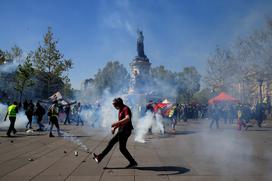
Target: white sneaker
point(95, 157)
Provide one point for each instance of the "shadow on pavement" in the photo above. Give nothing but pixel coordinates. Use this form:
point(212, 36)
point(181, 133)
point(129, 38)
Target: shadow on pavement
point(185, 132)
point(22, 135)
point(73, 136)
point(174, 170)
point(168, 134)
point(258, 130)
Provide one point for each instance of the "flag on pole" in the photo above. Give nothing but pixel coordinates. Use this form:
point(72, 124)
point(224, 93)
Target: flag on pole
point(55, 97)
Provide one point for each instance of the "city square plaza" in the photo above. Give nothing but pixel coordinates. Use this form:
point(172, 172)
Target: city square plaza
point(194, 152)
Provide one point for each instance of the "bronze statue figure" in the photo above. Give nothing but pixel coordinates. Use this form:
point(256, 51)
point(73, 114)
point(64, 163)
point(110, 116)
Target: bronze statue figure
point(140, 44)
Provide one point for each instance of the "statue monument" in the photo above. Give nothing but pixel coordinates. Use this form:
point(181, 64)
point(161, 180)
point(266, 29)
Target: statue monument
point(140, 44)
point(140, 68)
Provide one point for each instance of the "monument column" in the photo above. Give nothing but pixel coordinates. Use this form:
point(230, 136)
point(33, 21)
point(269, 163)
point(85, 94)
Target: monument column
point(140, 68)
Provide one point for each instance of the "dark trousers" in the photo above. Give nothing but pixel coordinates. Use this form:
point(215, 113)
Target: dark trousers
point(67, 119)
point(79, 120)
point(216, 122)
point(259, 121)
point(39, 121)
point(54, 121)
point(11, 126)
point(240, 124)
point(29, 117)
point(122, 138)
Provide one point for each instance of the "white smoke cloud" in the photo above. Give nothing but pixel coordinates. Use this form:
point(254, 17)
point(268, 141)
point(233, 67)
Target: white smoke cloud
point(89, 118)
point(268, 156)
point(226, 149)
point(165, 88)
point(3, 111)
point(100, 114)
point(104, 115)
point(21, 119)
point(145, 123)
point(74, 139)
point(9, 67)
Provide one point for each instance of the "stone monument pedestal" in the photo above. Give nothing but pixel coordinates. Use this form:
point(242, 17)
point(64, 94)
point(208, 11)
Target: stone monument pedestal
point(140, 72)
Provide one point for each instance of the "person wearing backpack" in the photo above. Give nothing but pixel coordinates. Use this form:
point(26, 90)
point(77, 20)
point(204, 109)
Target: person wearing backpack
point(53, 114)
point(29, 114)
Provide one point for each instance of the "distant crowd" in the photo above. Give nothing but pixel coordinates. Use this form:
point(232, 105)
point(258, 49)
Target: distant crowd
point(244, 115)
point(70, 113)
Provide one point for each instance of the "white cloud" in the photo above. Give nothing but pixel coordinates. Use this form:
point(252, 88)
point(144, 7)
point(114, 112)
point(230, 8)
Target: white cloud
point(130, 28)
point(121, 17)
point(113, 21)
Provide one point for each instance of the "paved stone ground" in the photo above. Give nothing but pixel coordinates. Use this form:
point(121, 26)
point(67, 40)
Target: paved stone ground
point(193, 153)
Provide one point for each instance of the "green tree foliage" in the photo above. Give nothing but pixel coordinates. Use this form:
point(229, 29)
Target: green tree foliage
point(203, 96)
point(7, 76)
point(45, 71)
point(221, 69)
point(51, 65)
point(24, 75)
point(258, 50)
point(2, 57)
point(163, 82)
point(188, 82)
point(113, 77)
point(15, 53)
point(162, 74)
point(236, 70)
point(180, 85)
point(67, 90)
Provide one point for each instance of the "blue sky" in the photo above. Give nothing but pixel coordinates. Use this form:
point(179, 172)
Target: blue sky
point(178, 33)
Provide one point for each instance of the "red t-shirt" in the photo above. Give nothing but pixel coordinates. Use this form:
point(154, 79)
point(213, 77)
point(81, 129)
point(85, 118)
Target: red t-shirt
point(123, 112)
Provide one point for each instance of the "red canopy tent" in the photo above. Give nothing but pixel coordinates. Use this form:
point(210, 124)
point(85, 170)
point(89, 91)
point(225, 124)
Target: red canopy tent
point(222, 97)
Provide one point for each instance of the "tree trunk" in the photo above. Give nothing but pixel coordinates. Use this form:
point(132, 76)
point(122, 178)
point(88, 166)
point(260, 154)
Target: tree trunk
point(21, 94)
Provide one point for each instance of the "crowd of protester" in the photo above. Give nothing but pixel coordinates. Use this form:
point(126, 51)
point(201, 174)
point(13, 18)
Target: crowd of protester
point(242, 115)
point(220, 113)
point(44, 113)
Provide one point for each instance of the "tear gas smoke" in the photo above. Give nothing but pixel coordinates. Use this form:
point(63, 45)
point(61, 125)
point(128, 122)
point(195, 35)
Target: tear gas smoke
point(9, 67)
point(74, 139)
point(226, 149)
point(145, 123)
point(268, 157)
point(100, 115)
point(165, 88)
point(108, 112)
point(227, 142)
point(21, 119)
point(90, 118)
point(3, 111)
point(105, 114)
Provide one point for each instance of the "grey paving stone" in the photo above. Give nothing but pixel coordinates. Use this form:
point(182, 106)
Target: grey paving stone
point(83, 178)
point(194, 153)
point(151, 178)
point(117, 178)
